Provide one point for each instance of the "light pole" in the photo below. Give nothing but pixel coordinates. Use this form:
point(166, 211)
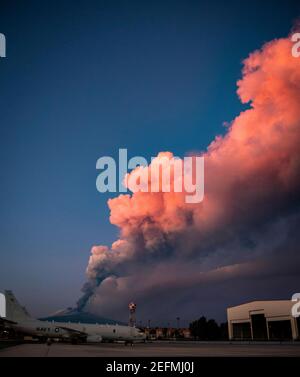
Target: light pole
point(132, 319)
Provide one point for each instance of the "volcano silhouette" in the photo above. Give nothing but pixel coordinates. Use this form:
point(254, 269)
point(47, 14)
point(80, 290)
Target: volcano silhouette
point(76, 316)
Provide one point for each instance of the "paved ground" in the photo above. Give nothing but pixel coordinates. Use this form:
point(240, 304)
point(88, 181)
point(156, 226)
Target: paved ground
point(152, 349)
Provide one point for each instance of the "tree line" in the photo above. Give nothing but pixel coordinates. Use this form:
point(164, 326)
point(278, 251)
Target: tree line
point(203, 329)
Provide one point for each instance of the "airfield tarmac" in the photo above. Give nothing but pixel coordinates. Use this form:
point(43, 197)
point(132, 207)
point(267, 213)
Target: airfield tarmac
point(156, 349)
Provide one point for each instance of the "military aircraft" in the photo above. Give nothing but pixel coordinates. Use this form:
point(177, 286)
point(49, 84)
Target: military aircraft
point(18, 319)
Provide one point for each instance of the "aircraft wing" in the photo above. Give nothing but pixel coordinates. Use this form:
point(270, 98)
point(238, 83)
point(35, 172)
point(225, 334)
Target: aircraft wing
point(73, 332)
point(4, 321)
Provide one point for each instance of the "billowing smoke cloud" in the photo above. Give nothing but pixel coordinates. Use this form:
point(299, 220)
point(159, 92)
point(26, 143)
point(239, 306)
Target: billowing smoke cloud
point(241, 241)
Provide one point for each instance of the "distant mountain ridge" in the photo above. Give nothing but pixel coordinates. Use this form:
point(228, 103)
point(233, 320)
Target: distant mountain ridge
point(76, 316)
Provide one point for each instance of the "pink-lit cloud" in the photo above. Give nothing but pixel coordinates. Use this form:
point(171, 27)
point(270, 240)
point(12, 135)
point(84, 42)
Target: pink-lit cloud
point(252, 186)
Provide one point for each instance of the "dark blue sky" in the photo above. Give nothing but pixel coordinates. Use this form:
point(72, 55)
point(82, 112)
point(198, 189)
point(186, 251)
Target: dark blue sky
point(85, 78)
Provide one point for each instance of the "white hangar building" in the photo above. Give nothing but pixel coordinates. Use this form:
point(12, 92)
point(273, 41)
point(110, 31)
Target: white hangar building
point(263, 320)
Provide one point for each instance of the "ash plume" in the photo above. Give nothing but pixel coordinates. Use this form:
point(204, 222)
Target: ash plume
point(242, 236)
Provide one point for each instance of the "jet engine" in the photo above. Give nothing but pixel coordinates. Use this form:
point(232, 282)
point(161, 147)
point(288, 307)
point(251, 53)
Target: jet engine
point(94, 339)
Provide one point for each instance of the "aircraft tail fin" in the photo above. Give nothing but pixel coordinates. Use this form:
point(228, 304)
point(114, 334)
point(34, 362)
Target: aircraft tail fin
point(14, 311)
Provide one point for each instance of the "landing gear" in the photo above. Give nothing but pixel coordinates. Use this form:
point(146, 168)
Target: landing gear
point(49, 342)
point(128, 342)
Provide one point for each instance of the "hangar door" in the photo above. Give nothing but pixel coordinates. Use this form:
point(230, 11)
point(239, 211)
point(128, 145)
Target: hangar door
point(280, 330)
point(259, 326)
point(241, 330)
